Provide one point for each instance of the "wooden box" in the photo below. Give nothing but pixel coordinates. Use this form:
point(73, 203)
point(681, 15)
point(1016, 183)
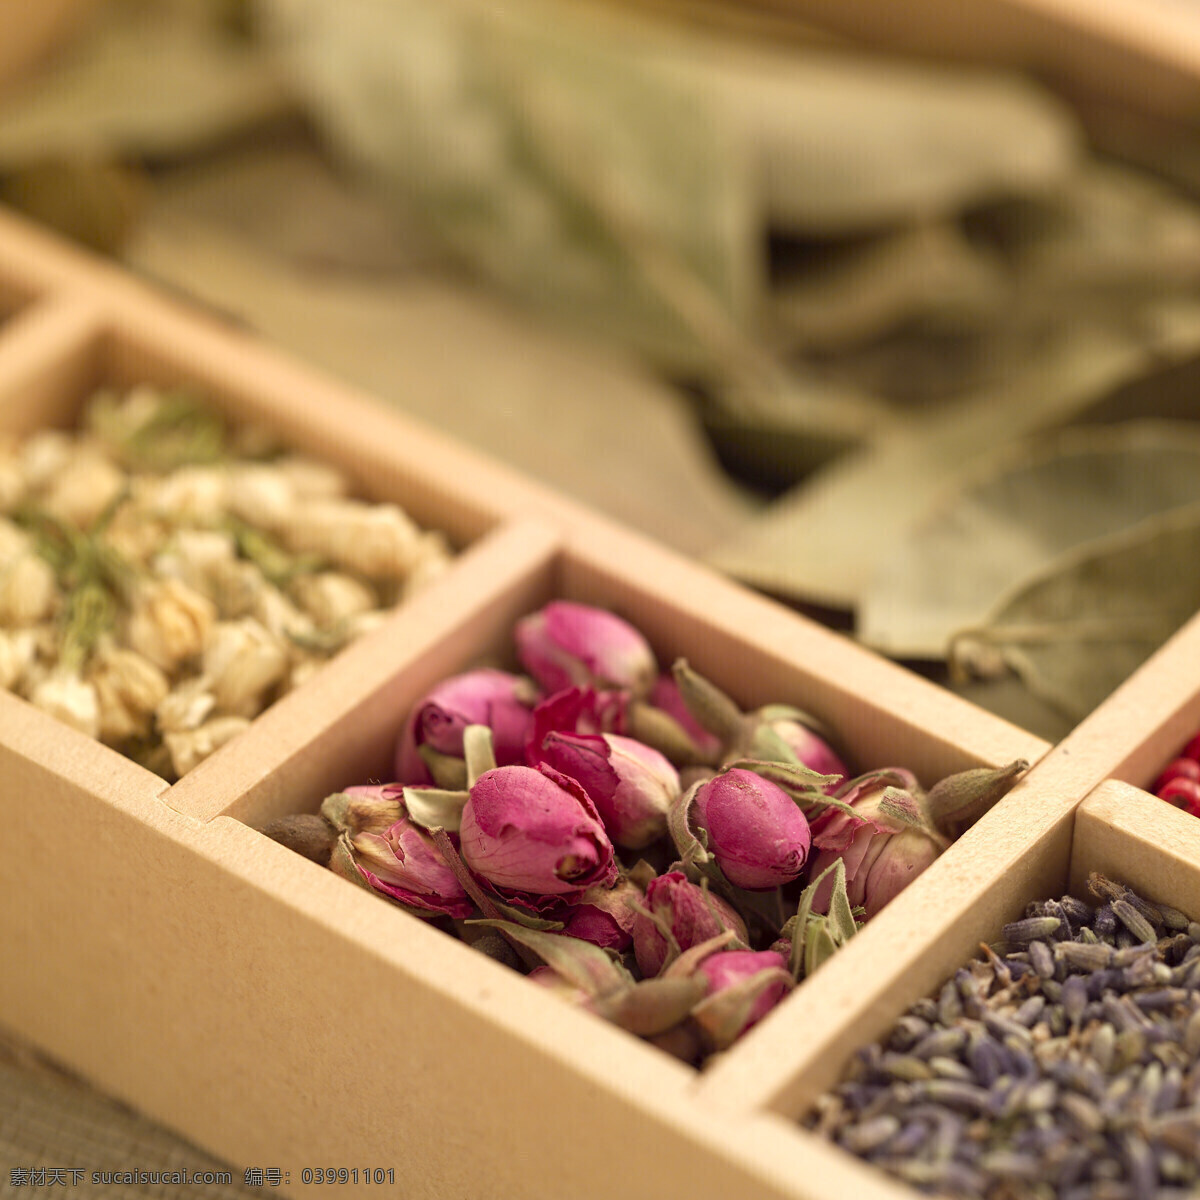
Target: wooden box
point(280, 1017)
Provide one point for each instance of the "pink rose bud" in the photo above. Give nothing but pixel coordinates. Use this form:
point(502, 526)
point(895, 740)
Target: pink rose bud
point(631, 785)
point(811, 750)
point(692, 915)
point(567, 644)
point(882, 853)
point(564, 989)
point(731, 968)
point(574, 710)
point(605, 916)
point(535, 830)
point(400, 860)
point(501, 701)
point(756, 832)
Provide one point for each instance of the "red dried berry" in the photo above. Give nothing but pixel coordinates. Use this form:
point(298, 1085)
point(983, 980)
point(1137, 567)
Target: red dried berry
point(1178, 768)
point(1183, 793)
point(1192, 749)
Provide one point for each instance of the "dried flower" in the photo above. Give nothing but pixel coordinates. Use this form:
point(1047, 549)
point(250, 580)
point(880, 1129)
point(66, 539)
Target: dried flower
point(375, 540)
point(170, 622)
point(191, 747)
point(399, 860)
point(605, 916)
point(631, 785)
point(755, 830)
point(331, 597)
point(571, 645)
point(753, 982)
point(535, 830)
point(682, 912)
point(128, 689)
point(187, 706)
point(28, 590)
point(488, 697)
point(63, 694)
point(242, 662)
point(81, 492)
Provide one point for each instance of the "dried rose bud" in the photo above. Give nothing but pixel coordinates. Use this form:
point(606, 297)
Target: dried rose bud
point(691, 913)
point(574, 710)
point(496, 699)
point(810, 748)
point(756, 832)
point(535, 830)
point(569, 645)
point(631, 785)
point(403, 863)
point(665, 696)
point(558, 985)
point(605, 916)
point(744, 985)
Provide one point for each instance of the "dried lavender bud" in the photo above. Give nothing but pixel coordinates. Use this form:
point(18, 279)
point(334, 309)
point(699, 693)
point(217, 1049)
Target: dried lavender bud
point(1030, 929)
point(1074, 1071)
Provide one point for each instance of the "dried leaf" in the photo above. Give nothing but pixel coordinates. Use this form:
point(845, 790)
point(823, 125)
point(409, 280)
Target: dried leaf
point(837, 136)
point(582, 180)
point(152, 78)
point(1030, 506)
point(929, 272)
point(824, 541)
point(1078, 628)
point(556, 407)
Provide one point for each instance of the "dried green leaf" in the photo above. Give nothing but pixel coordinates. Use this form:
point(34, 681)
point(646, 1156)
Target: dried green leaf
point(1027, 507)
point(561, 166)
point(586, 966)
point(151, 78)
point(824, 540)
point(1078, 628)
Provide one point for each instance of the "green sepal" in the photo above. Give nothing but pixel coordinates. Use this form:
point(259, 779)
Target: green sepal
point(711, 707)
point(692, 847)
point(585, 965)
point(478, 753)
point(435, 808)
point(652, 1006)
point(448, 772)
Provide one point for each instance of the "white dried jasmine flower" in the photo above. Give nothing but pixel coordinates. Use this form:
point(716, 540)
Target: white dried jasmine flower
point(128, 687)
point(243, 661)
point(84, 490)
point(304, 667)
point(189, 748)
point(193, 493)
point(12, 477)
point(28, 590)
point(14, 541)
point(312, 480)
point(136, 533)
point(186, 707)
point(261, 495)
point(190, 555)
point(65, 695)
point(366, 622)
point(432, 558)
point(331, 597)
point(376, 540)
point(170, 622)
point(235, 587)
point(280, 616)
point(45, 455)
point(18, 651)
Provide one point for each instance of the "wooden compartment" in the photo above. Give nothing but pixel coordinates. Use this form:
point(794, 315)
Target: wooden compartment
point(277, 1015)
point(1118, 830)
